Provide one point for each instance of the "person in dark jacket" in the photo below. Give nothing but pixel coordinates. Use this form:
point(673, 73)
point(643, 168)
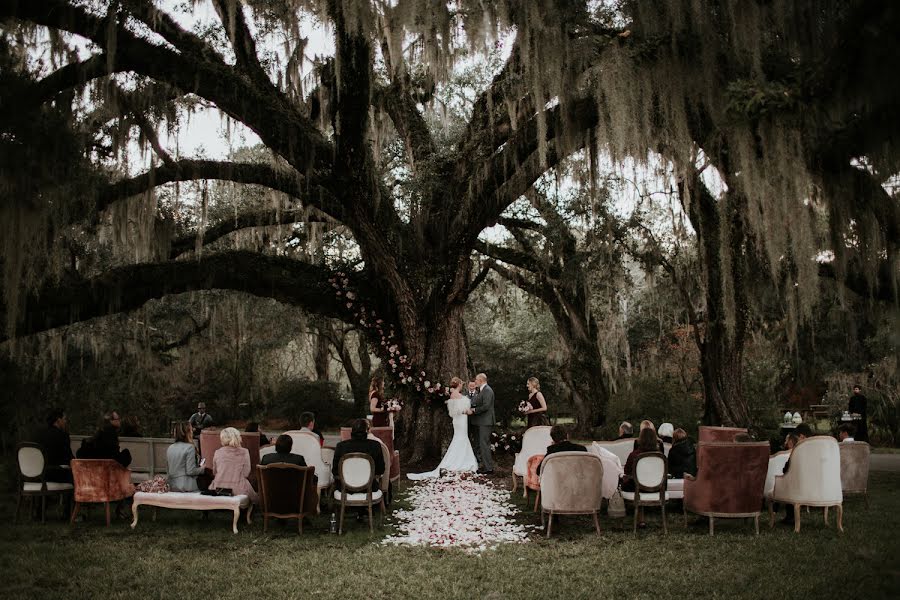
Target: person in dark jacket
point(561, 443)
point(105, 443)
point(857, 406)
point(57, 447)
point(358, 442)
point(682, 455)
point(283, 453)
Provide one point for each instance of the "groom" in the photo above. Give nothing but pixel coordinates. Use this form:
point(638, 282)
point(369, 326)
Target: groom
point(482, 418)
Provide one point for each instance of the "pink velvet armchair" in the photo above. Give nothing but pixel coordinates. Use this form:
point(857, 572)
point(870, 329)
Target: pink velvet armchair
point(729, 482)
point(100, 480)
point(532, 479)
point(719, 434)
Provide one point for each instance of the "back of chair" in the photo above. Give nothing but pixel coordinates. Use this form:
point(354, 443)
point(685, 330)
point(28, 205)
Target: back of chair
point(345, 433)
point(282, 487)
point(357, 471)
point(101, 480)
point(776, 467)
point(386, 456)
point(621, 448)
point(386, 435)
point(307, 444)
point(571, 481)
point(719, 434)
point(534, 441)
point(650, 470)
point(814, 476)
point(209, 443)
point(532, 479)
point(731, 479)
point(30, 461)
point(854, 466)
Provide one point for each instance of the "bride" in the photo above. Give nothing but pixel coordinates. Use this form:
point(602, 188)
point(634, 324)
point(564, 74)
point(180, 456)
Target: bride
point(459, 456)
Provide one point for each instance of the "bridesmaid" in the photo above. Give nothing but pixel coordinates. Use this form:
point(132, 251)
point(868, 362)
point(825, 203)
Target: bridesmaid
point(377, 404)
point(537, 406)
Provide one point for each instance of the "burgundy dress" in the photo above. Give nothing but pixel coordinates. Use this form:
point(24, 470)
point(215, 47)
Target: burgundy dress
point(380, 419)
point(534, 418)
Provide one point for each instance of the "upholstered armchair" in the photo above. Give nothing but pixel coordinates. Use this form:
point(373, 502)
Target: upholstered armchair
point(31, 464)
point(287, 492)
point(719, 434)
point(532, 479)
point(612, 468)
point(814, 479)
point(776, 467)
point(386, 435)
point(534, 441)
point(100, 480)
point(729, 482)
point(855, 468)
point(621, 448)
point(308, 445)
point(570, 485)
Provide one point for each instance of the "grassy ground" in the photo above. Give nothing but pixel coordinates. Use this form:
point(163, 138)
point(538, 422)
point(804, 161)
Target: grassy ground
point(181, 555)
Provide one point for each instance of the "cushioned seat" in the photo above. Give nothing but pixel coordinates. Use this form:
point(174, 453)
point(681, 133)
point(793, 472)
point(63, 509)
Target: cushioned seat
point(675, 489)
point(357, 497)
point(646, 497)
point(50, 486)
point(193, 501)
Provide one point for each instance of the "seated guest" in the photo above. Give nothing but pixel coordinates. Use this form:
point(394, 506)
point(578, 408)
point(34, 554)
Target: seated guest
point(845, 433)
point(308, 424)
point(646, 442)
point(131, 427)
point(561, 443)
point(743, 438)
point(665, 432)
point(358, 442)
point(231, 466)
point(647, 424)
point(253, 427)
point(682, 455)
point(105, 443)
point(790, 440)
point(57, 447)
point(184, 468)
point(801, 432)
point(283, 453)
point(626, 431)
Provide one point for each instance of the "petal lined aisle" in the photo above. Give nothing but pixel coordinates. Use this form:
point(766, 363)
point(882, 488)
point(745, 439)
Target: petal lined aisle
point(458, 510)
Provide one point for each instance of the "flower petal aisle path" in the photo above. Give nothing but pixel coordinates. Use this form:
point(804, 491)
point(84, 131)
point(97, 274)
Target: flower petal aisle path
point(458, 511)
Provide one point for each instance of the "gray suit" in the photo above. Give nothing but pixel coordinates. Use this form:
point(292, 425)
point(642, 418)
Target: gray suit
point(483, 420)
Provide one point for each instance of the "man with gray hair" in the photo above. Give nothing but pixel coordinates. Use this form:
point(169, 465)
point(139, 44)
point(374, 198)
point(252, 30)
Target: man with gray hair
point(626, 431)
point(483, 418)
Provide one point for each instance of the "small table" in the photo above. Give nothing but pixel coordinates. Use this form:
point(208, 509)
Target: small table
point(192, 501)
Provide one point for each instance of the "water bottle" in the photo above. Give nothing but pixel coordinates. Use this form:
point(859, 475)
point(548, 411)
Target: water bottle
point(333, 527)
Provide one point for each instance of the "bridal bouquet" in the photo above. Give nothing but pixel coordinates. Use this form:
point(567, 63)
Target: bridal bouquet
point(523, 407)
point(394, 405)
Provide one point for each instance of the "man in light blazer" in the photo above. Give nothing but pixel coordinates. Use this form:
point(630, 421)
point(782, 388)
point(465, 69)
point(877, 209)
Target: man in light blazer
point(482, 418)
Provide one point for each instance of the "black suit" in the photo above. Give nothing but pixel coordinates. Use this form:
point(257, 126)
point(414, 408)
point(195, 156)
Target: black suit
point(563, 446)
point(283, 457)
point(365, 446)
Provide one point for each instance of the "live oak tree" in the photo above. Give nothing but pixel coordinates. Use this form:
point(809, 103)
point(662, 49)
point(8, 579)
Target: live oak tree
point(785, 99)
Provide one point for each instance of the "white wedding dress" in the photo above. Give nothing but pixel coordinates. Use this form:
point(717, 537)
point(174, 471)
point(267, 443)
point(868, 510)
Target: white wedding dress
point(459, 456)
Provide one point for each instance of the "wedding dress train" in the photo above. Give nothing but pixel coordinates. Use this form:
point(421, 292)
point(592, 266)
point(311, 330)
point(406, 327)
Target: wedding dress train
point(459, 456)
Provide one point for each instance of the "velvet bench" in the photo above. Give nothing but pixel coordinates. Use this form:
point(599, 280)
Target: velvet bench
point(192, 501)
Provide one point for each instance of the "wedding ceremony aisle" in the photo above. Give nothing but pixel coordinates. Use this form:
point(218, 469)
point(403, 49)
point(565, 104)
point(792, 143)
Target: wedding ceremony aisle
point(458, 511)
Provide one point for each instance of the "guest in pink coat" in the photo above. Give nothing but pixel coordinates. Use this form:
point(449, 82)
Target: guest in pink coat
point(231, 465)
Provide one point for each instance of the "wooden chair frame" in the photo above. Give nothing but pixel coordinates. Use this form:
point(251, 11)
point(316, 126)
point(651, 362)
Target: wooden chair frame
point(640, 488)
point(265, 494)
point(42, 479)
point(366, 487)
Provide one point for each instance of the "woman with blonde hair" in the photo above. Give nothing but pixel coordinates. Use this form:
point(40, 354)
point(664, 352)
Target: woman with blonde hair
point(537, 406)
point(231, 466)
point(184, 466)
point(377, 403)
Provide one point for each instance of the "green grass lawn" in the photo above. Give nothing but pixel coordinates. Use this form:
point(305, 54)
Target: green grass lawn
point(183, 556)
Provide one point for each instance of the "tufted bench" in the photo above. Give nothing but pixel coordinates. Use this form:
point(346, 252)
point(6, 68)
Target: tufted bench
point(192, 501)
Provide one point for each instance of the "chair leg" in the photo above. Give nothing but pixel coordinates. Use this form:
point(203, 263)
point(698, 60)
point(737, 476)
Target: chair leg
point(797, 518)
point(537, 500)
point(684, 512)
point(712, 530)
point(107, 513)
point(825, 513)
point(266, 522)
point(341, 521)
point(840, 517)
point(771, 514)
point(371, 529)
point(636, 511)
point(383, 510)
point(514, 483)
point(300, 524)
point(75, 512)
point(597, 521)
point(665, 523)
point(756, 522)
point(524, 487)
point(549, 523)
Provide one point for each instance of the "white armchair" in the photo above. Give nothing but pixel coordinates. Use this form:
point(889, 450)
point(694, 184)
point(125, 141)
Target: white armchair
point(621, 448)
point(813, 479)
point(308, 445)
point(534, 441)
point(612, 469)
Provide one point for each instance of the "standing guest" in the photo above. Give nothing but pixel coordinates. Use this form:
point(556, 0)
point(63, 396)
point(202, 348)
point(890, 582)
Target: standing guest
point(857, 406)
point(377, 403)
point(646, 442)
point(845, 433)
point(283, 445)
point(682, 455)
point(131, 427)
point(561, 443)
point(537, 405)
point(308, 425)
point(472, 389)
point(253, 427)
point(626, 431)
point(185, 470)
point(358, 442)
point(665, 432)
point(200, 420)
point(231, 466)
point(105, 443)
point(57, 447)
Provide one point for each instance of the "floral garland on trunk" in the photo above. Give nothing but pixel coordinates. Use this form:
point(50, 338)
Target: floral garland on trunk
point(386, 345)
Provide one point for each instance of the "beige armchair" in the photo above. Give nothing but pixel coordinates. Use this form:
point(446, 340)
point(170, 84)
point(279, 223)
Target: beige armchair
point(814, 479)
point(309, 446)
point(571, 485)
point(534, 441)
point(855, 468)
